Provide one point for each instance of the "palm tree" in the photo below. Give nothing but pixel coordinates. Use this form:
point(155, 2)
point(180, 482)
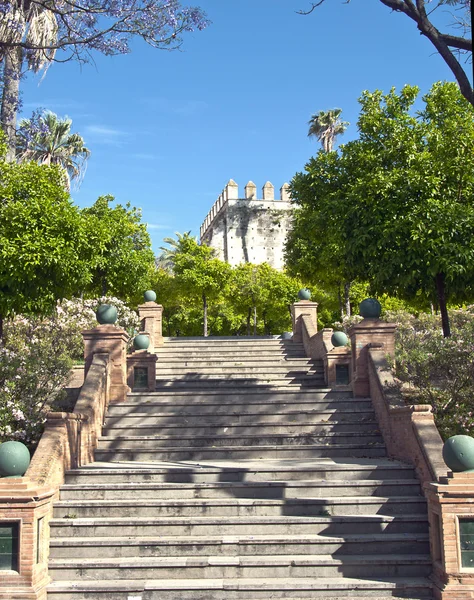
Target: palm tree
point(165, 260)
point(37, 26)
point(325, 126)
point(49, 141)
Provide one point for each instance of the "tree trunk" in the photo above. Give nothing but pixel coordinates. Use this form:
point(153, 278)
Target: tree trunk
point(1, 329)
point(341, 305)
point(255, 320)
point(441, 294)
point(204, 304)
point(249, 313)
point(11, 98)
point(347, 302)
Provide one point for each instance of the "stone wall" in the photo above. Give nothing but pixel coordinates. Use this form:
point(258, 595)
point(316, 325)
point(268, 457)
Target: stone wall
point(248, 229)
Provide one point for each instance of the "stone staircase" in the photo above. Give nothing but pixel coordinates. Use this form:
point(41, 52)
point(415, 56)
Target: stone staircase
point(240, 478)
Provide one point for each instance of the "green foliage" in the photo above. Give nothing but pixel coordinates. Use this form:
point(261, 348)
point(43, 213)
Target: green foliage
point(36, 359)
point(237, 300)
point(438, 370)
point(43, 241)
point(396, 204)
point(121, 257)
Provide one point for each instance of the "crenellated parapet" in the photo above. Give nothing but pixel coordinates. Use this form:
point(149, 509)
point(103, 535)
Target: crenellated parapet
point(231, 193)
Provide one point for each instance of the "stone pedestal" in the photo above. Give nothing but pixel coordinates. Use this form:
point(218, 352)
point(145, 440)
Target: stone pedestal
point(451, 515)
point(141, 359)
point(369, 333)
point(298, 309)
point(151, 315)
point(110, 340)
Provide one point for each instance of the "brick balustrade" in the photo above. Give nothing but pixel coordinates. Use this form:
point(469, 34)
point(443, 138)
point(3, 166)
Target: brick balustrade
point(68, 441)
point(317, 345)
point(151, 322)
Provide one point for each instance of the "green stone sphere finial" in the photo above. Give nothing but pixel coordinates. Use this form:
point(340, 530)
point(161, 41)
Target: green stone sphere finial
point(106, 314)
point(149, 296)
point(14, 459)
point(458, 453)
point(141, 342)
point(339, 339)
point(370, 308)
point(304, 294)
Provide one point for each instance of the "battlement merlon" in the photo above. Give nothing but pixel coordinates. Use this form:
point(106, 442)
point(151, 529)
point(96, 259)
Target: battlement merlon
point(231, 192)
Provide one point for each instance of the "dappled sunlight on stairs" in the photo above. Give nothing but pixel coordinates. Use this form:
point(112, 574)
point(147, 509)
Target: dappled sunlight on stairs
point(240, 478)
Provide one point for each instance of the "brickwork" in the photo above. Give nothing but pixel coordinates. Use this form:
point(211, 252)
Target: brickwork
point(69, 440)
point(409, 432)
point(368, 333)
point(317, 345)
point(110, 340)
point(145, 360)
point(449, 501)
point(151, 322)
point(298, 309)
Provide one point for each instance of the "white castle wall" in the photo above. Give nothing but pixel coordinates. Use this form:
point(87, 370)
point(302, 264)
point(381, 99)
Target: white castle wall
point(248, 229)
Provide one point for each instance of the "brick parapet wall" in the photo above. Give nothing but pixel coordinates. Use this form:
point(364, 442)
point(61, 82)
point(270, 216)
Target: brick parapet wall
point(68, 441)
point(450, 501)
point(409, 432)
point(317, 345)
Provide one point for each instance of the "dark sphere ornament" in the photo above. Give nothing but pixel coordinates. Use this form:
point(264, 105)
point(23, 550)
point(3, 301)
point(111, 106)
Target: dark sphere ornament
point(14, 459)
point(370, 308)
point(458, 453)
point(141, 342)
point(149, 296)
point(338, 339)
point(106, 314)
point(304, 294)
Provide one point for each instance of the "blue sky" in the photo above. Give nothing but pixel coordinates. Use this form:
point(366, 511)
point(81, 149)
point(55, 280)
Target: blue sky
point(167, 130)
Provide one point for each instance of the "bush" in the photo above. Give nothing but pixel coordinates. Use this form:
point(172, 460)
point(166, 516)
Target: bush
point(438, 370)
point(36, 359)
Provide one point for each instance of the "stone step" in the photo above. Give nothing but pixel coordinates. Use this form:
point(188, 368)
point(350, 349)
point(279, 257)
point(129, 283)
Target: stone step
point(193, 438)
point(348, 505)
point(342, 525)
point(262, 489)
point(296, 470)
point(241, 452)
point(416, 588)
point(231, 429)
point(243, 545)
point(213, 567)
point(223, 415)
point(230, 341)
point(204, 382)
point(230, 354)
point(241, 375)
point(324, 393)
point(259, 360)
point(210, 402)
point(244, 394)
point(236, 371)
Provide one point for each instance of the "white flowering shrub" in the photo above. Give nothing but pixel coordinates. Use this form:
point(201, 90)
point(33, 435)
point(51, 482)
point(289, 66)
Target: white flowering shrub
point(438, 370)
point(36, 359)
point(35, 362)
point(76, 315)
